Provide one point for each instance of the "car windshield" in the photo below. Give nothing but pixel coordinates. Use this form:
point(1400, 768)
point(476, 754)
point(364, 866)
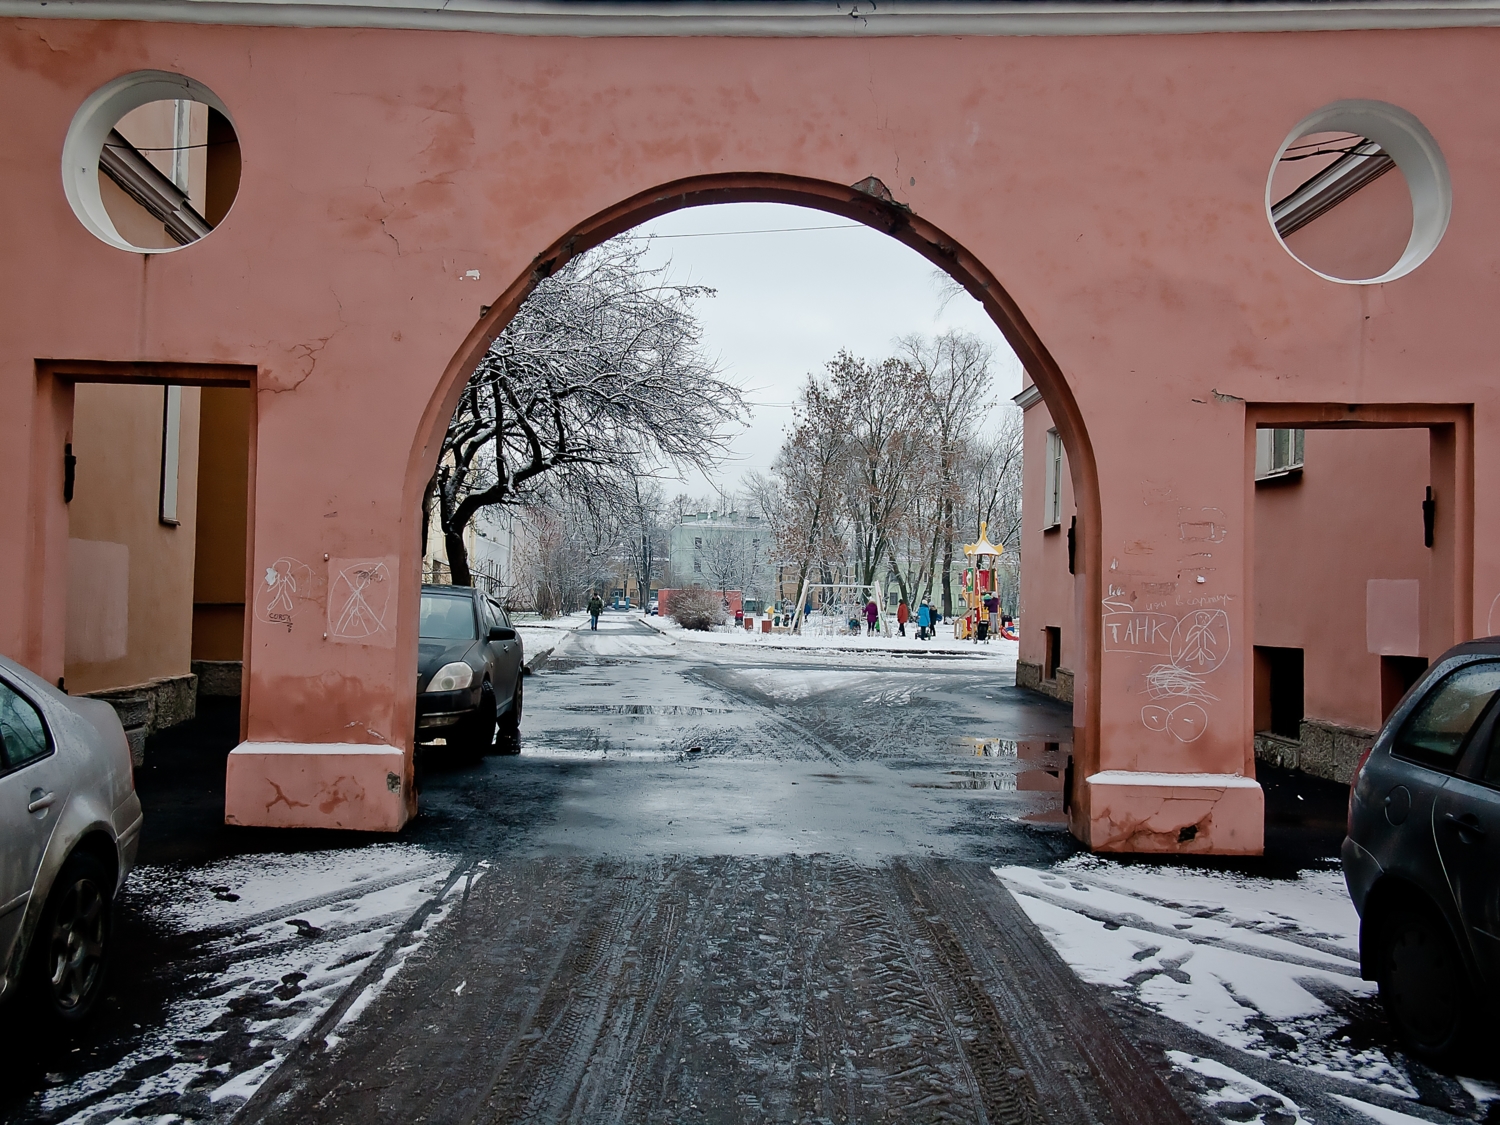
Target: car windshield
point(1434, 733)
point(446, 618)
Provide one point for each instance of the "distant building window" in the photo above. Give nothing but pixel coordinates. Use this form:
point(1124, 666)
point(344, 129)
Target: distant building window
point(697, 544)
point(697, 566)
point(1052, 501)
point(1278, 453)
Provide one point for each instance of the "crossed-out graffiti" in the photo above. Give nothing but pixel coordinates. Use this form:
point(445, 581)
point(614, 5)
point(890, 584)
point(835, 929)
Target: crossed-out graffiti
point(1192, 647)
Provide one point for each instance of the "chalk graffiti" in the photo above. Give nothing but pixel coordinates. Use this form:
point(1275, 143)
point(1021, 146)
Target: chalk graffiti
point(361, 593)
point(1193, 646)
point(284, 584)
point(1186, 722)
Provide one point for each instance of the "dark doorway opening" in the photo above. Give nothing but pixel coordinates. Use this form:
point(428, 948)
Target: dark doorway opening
point(1278, 691)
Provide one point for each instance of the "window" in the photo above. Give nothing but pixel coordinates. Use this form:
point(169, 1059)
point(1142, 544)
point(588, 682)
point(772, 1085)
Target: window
point(23, 735)
point(1434, 734)
point(1053, 658)
point(1278, 691)
point(446, 617)
point(1052, 501)
point(697, 566)
point(697, 544)
point(497, 615)
point(1278, 453)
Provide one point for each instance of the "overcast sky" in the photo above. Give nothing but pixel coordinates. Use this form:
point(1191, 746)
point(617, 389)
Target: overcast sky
point(789, 300)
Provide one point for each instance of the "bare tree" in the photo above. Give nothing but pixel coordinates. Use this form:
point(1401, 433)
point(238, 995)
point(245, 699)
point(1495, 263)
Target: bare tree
point(883, 405)
point(644, 531)
point(956, 367)
point(811, 468)
point(599, 375)
point(728, 560)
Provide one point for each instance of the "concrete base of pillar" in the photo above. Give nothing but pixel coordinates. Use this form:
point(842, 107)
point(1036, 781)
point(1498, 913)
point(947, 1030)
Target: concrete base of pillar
point(328, 785)
point(1213, 813)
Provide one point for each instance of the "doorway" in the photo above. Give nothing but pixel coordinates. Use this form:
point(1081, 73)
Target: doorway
point(1361, 522)
point(157, 469)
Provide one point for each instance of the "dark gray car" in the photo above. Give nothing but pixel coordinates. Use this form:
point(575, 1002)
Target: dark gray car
point(1422, 858)
point(469, 669)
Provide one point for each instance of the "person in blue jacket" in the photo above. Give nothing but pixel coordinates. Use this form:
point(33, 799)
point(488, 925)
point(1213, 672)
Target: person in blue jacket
point(924, 621)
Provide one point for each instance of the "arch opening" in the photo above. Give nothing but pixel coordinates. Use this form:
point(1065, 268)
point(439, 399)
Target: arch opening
point(870, 204)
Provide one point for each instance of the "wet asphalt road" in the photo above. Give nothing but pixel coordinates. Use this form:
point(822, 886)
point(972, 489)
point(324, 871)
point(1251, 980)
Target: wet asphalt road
point(716, 886)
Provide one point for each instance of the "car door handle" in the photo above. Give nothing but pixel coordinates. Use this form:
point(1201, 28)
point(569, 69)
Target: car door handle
point(1467, 823)
point(40, 801)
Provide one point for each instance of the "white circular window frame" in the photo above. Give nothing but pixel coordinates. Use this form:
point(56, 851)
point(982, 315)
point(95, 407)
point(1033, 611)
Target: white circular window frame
point(1415, 152)
point(100, 113)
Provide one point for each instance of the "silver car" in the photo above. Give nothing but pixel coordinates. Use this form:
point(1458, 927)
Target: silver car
point(70, 824)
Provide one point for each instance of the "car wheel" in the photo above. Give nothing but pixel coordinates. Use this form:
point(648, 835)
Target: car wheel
point(510, 724)
point(479, 732)
point(1424, 987)
point(70, 952)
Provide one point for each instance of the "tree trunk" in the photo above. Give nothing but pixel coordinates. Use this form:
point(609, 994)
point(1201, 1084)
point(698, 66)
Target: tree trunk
point(947, 558)
point(458, 557)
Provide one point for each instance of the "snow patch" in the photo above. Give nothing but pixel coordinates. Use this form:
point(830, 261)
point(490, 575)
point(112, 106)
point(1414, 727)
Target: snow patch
point(1266, 966)
point(1224, 1088)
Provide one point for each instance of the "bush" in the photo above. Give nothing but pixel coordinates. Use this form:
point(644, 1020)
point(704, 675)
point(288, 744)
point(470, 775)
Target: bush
point(697, 609)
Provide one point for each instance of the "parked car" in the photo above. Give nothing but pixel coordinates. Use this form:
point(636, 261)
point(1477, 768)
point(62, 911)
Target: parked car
point(652, 610)
point(469, 672)
point(70, 824)
point(1422, 857)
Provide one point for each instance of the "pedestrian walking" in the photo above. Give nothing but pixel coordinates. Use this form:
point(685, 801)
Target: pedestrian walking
point(596, 607)
point(872, 615)
point(924, 621)
point(903, 615)
point(992, 603)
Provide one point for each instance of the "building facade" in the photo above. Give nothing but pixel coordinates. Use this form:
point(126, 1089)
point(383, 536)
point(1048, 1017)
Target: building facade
point(724, 551)
point(1106, 180)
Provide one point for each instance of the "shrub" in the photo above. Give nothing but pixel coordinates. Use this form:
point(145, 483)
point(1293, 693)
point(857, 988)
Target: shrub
point(697, 609)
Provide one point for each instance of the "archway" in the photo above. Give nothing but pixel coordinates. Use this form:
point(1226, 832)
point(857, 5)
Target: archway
point(871, 203)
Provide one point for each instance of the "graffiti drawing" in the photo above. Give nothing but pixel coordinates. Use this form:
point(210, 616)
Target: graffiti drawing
point(1189, 648)
point(283, 584)
point(361, 595)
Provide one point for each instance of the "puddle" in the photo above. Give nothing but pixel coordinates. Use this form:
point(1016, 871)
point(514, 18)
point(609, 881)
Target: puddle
point(643, 709)
point(1004, 781)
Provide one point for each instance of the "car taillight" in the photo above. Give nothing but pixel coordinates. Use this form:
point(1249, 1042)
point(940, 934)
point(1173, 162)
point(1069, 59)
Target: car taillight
point(1353, 783)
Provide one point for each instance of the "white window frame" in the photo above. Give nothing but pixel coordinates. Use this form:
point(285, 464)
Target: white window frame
point(1052, 498)
point(171, 446)
point(1278, 453)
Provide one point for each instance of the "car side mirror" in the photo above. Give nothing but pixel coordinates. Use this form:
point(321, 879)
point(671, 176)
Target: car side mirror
point(500, 633)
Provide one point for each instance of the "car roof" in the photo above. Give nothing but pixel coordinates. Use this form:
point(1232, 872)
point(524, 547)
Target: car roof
point(1479, 646)
point(449, 591)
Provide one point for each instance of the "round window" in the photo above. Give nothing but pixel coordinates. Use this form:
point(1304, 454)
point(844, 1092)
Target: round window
point(1359, 193)
point(151, 162)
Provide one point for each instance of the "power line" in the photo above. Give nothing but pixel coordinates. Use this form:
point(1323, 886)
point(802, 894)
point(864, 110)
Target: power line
point(723, 233)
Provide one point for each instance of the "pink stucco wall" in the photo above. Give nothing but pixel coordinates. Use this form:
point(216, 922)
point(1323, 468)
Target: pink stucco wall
point(1104, 196)
point(1046, 586)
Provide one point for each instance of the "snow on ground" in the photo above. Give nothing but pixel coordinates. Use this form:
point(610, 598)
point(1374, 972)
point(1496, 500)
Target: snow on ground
point(1002, 651)
point(539, 636)
point(268, 945)
point(1266, 966)
point(1235, 1096)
